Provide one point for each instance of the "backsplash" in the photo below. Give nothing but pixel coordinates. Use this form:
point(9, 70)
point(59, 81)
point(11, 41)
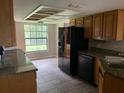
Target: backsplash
point(111, 45)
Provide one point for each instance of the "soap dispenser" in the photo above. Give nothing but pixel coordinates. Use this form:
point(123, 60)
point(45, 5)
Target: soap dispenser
point(1, 51)
point(0, 57)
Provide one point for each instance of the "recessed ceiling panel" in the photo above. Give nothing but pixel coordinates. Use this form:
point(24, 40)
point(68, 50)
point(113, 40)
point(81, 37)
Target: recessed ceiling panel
point(33, 19)
point(42, 12)
point(38, 16)
point(64, 15)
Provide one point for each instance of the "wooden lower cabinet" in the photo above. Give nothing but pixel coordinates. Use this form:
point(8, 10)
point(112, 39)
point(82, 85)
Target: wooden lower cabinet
point(110, 84)
point(18, 83)
point(100, 83)
point(96, 71)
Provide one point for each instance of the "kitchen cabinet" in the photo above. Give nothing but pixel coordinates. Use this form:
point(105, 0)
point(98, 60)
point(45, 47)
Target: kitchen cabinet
point(96, 71)
point(109, 25)
point(72, 22)
point(17, 73)
point(109, 83)
point(113, 25)
point(97, 26)
point(79, 22)
point(100, 83)
point(105, 26)
point(88, 24)
point(18, 83)
point(7, 30)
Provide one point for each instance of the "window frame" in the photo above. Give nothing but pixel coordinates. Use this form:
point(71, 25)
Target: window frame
point(36, 38)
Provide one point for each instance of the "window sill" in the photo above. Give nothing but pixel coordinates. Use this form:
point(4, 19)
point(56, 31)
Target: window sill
point(37, 51)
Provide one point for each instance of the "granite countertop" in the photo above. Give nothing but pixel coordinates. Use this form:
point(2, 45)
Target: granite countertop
point(101, 53)
point(15, 61)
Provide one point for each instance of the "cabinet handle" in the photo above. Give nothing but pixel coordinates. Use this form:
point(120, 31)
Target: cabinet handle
point(100, 72)
point(123, 32)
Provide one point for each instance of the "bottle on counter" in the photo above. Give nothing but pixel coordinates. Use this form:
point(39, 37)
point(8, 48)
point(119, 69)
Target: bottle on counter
point(1, 50)
point(0, 58)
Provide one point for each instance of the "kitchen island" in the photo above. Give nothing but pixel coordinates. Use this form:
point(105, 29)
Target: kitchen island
point(17, 73)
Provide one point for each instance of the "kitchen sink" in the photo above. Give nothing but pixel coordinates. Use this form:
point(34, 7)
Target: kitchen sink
point(115, 61)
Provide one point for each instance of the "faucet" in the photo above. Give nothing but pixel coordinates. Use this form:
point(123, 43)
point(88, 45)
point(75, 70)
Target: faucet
point(121, 54)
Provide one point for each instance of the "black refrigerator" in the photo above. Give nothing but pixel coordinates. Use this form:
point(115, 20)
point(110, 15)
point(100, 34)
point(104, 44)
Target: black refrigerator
point(71, 40)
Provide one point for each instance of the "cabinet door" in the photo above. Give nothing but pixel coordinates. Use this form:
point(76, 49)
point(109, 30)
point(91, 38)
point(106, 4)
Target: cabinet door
point(18, 83)
point(97, 26)
point(88, 27)
point(120, 25)
point(7, 34)
point(100, 83)
point(72, 22)
point(110, 23)
point(96, 71)
point(79, 22)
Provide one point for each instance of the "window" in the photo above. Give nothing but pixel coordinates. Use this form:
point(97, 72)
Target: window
point(36, 37)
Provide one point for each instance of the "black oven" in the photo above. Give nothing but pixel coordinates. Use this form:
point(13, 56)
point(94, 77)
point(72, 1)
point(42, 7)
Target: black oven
point(86, 67)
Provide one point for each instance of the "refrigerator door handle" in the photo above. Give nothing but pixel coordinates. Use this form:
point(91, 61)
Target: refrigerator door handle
point(59, 44)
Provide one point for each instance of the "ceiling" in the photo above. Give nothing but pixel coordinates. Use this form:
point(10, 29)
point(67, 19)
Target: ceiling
point(49, 14)
point(22, 8)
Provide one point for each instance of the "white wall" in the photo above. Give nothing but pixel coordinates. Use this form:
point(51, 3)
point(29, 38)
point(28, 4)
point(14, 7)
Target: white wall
point(20, 35)
point(52, 50)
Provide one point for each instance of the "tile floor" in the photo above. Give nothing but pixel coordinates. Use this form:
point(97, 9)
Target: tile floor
point(52, 80)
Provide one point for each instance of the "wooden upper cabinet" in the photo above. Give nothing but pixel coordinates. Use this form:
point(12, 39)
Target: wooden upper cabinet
point(72, 22)
point(110, 25)
point(7, 30)
point(120, 25)
point(79, 22)
point(113, 25)
point(105, 26)
point(88, 24)
point(97, 26)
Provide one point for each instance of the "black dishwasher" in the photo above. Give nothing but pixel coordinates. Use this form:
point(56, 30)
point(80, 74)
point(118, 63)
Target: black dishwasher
point(86, 67)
